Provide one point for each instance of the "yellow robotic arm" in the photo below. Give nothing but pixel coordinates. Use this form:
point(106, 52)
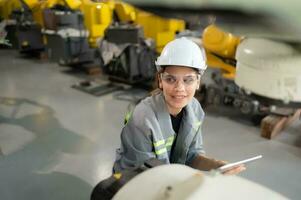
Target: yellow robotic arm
point(220, 42)
point(125, 12)
point(97, 17)
point(217, 62)
point(7, 7)
point(36, 7)
point(160, 29)
point(220, 49)
point(72, 4)
point(31, 4)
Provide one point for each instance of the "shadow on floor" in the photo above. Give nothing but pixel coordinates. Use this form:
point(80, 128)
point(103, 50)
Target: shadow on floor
point(49, 132)
point(21, 169)
point(53, 186)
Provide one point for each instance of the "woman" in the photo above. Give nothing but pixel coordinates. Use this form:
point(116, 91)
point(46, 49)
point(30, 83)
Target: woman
point(167, 125)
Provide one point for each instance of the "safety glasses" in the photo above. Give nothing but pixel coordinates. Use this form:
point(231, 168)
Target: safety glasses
point(188, 79)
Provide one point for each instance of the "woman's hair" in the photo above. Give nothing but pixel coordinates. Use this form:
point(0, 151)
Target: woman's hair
point(156, 88)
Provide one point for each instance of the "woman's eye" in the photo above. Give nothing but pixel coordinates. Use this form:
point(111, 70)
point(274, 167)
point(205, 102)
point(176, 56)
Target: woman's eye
point(170, 79)
point(189, 79)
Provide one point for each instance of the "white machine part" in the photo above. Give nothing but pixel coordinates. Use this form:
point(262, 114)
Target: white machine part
point(270, 69)
point(179, 182)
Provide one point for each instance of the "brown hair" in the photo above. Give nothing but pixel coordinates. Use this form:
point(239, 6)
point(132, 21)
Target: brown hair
point(156, 87)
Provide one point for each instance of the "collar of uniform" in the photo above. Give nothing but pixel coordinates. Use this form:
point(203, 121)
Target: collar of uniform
point(185, 136)
point(163, 115)
point(189, 116)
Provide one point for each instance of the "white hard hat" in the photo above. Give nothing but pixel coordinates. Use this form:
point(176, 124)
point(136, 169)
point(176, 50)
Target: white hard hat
point(182, 52)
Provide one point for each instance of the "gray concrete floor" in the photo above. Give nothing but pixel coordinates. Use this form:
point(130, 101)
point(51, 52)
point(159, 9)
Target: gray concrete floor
point(58, 143)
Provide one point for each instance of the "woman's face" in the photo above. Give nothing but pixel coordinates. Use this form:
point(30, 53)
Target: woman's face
point(179, 85)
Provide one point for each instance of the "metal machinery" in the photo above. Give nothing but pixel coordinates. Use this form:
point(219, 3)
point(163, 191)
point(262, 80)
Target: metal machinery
point(8, 25)
point(66, 34)
point(98, 15)
point(269, 69)
point(143, 34)
point(7, 7)
point(127, 40)
point(258, 76)
point(29, 24)
point(220, 50)
point(59, 27)
point(71, 32)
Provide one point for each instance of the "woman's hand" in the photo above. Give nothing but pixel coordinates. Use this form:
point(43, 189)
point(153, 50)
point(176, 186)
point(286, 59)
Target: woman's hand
point(235, 170)
point(204, 163)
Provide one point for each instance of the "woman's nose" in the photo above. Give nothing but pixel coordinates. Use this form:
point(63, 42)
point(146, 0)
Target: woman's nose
point(180, 85)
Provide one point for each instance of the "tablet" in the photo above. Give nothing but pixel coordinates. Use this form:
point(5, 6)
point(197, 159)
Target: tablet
point(234, 164)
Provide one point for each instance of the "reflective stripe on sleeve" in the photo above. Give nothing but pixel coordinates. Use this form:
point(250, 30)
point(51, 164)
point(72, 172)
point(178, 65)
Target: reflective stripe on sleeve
point(169, 141)
point(161, 151)
point(165, 145)
point(159, 143)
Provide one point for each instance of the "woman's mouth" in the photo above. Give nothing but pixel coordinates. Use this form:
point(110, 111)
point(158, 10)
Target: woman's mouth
point(179, 97)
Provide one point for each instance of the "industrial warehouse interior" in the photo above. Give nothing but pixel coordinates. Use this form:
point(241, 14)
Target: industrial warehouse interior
point(71, 71)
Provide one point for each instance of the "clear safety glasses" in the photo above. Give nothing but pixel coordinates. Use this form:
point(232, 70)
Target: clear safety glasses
point(188, 79)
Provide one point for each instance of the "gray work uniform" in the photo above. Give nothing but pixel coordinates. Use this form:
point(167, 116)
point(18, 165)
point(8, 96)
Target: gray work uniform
point(149, 134)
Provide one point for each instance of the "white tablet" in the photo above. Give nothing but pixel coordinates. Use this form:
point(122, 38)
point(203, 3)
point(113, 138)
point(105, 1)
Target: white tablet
point(234, 164)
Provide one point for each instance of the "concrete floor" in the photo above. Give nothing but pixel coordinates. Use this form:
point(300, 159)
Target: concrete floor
point(58, 143)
